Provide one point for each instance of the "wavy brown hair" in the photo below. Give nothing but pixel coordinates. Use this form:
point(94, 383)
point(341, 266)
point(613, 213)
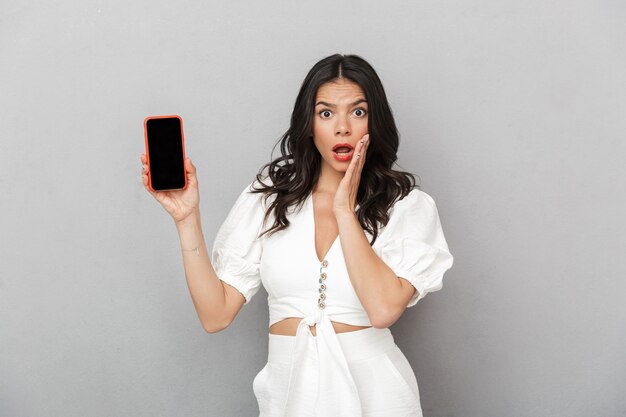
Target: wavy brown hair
point(294, 174)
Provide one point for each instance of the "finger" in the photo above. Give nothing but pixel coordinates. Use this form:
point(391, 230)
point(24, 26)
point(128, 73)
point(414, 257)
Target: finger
point(349, 175)
point(362, 146)
point(143, 158)
point(189, 166)
point(152, 193)
point(363, 152)
point(354, 161)
point(356, 173)
point(360, 157)
point(144, 179)
point(191, 172)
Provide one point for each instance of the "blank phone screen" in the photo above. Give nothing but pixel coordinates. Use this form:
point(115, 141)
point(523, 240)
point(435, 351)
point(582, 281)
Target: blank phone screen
point(165, 148)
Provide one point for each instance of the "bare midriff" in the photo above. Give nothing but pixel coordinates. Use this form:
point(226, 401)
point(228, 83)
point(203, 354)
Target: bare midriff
point(288, 327)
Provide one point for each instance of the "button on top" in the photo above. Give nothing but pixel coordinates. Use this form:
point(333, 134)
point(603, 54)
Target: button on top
point(322, 288)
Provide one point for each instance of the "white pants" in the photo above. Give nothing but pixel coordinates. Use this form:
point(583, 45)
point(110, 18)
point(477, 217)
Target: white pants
point(385, 382)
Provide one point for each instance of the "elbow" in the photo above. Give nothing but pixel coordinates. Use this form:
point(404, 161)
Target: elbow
point(210, 329)
point(213, 326)
point(379, 324)
point(388, 311)
point(384, 318)
point(382, 324)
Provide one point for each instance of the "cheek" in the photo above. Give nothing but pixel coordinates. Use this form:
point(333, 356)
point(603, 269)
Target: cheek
point(322, 132)
point(318, 136)
point(361, 127)
point(319, 126)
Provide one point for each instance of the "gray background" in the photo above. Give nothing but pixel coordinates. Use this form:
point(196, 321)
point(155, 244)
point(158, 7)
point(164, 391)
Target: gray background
point(511, 112)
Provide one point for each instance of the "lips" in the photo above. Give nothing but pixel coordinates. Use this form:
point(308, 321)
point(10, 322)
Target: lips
point(343, 152)
point(342, 148)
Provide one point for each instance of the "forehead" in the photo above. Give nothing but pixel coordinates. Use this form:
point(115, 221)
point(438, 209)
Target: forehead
point(339, 90)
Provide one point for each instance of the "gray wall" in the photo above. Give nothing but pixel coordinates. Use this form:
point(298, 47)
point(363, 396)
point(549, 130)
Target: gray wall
point(511, 112)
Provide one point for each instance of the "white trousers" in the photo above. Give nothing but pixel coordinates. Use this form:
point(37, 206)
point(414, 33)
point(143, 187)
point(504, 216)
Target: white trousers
point(377, 379)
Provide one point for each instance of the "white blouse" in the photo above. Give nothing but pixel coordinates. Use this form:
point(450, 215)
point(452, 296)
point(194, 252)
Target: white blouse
point(412, 244)
point(298, 284)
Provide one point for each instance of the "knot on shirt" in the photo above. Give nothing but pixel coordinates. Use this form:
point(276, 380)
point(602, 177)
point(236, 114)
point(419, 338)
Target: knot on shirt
point(313, 318)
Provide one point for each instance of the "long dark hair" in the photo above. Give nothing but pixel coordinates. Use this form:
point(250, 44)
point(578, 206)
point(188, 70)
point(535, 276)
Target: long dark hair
point(294, 174)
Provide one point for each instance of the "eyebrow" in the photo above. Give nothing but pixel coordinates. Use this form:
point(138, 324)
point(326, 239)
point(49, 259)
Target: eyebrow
point(361, 100)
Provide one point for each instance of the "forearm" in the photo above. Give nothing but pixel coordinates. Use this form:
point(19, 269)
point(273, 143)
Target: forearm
point(205, 288)
point(374, 282)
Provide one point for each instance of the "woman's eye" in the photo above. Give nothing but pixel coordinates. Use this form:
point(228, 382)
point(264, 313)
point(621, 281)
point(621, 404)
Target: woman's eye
point(325, 114)
point(359, 112)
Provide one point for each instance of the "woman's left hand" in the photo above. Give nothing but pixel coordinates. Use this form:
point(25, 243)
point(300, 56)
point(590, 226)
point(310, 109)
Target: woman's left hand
point(345, 197)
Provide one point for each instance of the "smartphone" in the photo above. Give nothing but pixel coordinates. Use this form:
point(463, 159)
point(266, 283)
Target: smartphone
point(165, 152)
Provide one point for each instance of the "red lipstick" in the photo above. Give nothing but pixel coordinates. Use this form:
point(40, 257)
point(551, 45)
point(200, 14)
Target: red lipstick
point(343, 152)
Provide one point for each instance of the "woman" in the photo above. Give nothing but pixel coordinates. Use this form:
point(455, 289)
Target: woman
point(352, 244)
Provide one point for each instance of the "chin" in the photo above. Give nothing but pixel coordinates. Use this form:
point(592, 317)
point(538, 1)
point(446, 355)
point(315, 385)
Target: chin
point(337, 165)
point(340, 166)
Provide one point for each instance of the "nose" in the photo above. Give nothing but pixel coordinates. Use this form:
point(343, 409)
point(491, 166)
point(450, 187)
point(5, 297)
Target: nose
point(343, 126)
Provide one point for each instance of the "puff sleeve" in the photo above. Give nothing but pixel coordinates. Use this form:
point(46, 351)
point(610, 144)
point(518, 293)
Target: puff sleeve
point(413, 244)
point(236, 250)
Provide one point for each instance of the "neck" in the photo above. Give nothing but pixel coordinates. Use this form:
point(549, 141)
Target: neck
point(329, 180)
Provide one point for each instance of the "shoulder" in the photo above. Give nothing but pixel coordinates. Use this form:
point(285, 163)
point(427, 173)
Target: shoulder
point(255, 184)
point(249, 194)
point(246, 215)
point(247, 201)
point(415, 200)
point(412, 215)
point(253, 203)
point(261, 198)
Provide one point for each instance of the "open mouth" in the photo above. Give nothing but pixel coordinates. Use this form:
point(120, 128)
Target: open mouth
point(343, 151)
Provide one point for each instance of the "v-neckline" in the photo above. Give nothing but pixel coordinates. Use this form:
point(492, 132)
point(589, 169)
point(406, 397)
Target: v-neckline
point(312, 210)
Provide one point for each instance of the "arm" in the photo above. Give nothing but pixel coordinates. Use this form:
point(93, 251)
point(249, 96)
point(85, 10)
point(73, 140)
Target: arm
point(383, 295)
point(216, 303)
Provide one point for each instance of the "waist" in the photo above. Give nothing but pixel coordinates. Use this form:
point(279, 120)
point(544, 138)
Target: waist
point(356, 345)
point(337, 312)
point(289, 326)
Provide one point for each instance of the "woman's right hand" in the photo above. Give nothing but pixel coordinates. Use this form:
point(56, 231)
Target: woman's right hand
point(180, 204)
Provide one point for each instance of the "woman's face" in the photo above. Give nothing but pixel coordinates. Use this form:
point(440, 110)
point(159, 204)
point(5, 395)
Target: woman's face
point(340, 117)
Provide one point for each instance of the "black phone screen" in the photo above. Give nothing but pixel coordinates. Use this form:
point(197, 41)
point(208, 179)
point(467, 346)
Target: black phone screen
point(165, 148)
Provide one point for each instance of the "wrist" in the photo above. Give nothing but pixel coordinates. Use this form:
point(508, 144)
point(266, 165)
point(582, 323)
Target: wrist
point(192, 221)
point(196, 249)
point(190, 233)
point(344, 214)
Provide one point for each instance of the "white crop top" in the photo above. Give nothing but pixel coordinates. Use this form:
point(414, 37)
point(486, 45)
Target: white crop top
point(412, 244)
